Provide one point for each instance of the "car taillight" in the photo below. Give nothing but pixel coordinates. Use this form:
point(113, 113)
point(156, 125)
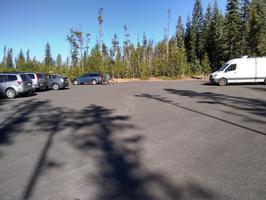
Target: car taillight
point(20, 82)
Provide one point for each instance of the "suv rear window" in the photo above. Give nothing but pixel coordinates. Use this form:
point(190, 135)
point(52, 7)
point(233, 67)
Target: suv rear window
point(25, 77)
point(31, 76)
point(12, 78)
point(3, 78)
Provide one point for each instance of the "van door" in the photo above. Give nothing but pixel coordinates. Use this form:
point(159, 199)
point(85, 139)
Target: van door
point(246, 73)
point(231, 73)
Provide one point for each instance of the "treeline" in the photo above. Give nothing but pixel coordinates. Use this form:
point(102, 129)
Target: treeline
point(199, 46)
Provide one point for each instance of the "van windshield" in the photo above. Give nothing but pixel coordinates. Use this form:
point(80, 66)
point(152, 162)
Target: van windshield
point(223, 67)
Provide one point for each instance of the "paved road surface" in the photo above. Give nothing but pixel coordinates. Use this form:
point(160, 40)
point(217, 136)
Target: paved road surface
point(171, 140)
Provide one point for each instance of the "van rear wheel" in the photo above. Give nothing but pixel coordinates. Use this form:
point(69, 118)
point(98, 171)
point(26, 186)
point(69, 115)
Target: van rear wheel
point(222, 82)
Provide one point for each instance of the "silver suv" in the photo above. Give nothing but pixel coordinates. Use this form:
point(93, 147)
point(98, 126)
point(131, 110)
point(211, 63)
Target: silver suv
point(14, 84)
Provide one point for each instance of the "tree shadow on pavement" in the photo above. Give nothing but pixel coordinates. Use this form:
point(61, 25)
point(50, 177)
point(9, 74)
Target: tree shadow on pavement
point(121, 173)
point(50, 124)
point(260, 89)
point(11, 125)
point(251, 105)
point(191, 93)
point(2, 102)
point(101, 137)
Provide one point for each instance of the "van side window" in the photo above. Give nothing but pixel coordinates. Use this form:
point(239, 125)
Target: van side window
point(231, 68)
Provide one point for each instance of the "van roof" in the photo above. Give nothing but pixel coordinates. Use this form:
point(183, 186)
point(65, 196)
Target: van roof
point(245, 58)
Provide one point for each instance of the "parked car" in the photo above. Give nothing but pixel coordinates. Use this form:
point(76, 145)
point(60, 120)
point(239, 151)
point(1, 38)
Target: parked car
point(56, 82)
point(90, 78)
point(42, 81)
point(14, 84)
point(34, 79)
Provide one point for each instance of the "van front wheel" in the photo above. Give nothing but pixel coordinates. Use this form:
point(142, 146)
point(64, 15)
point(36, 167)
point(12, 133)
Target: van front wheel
point(222, 82)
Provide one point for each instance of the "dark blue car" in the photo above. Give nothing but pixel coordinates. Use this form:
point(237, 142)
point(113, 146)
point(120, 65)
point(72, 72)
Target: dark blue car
point(90, 78)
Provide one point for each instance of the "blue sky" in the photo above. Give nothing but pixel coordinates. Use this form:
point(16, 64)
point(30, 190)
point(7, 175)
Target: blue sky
point(29, 24)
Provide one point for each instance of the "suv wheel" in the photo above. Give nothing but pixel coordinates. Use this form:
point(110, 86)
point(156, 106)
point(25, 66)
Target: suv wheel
point(55, 86)
point(75, 82)
point(94, 82)
point(222, 82)
point(10, 93)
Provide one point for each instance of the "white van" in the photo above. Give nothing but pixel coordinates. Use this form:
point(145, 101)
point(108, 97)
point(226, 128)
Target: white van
point(241, 70)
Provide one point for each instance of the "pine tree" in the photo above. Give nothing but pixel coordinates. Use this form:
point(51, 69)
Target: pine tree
point(215, 39)
point(150, 56)
point(20, 60)
point(160, 60)
point(126, 49)
point(206, 28)
point(244, 26)
point(232, 30)
point(71, 38)
point(134, 61)
point(28, 60)
point(105, 58)
point(96, 59)
point(48, 60)
point(10, 58)
point(58, 60)
point(79, 36)
point(4, 61)
point(205, 64)
point(257, 26)
point(67, 62)
point(119, 64)
point(115, 49)
point(144, 47)
point(190, 42)
point(100, 22)
point(197, 28)
point(181, 59)
point(179, 33)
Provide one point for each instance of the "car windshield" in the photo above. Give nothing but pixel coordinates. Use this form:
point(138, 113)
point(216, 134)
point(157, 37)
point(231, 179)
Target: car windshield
point(223, 67)
point(25, 77)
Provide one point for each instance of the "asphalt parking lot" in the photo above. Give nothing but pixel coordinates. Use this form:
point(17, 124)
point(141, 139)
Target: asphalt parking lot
point(169, 140)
